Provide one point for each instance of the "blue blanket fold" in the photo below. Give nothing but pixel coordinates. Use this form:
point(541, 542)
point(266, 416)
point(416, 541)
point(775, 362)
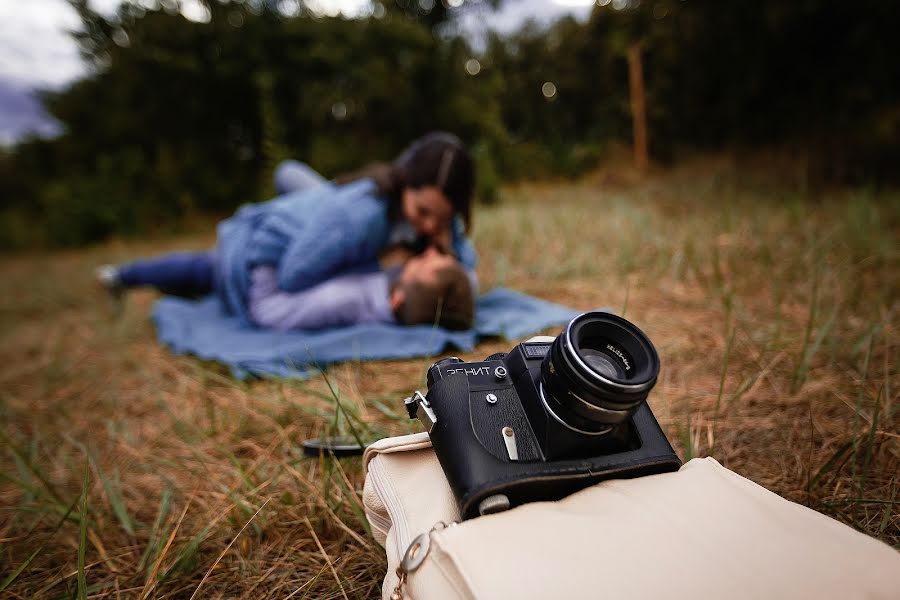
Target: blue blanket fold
point(202, 328)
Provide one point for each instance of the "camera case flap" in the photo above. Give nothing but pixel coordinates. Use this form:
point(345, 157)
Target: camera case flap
point(495, 442)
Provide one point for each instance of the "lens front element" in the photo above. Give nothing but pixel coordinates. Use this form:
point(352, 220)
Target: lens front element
point(602, 363)
point(598, 371)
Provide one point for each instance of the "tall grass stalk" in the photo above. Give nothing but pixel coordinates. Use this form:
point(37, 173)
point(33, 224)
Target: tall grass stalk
point(227, 548)
point(24, 565)
point(152, 548)
point(339, 406)
point(151, 577)
point(859, 403)
point(327, 558)
point(870, 443)
point(805, 355)
point(114, 497)
point(82, 534)
point(34, 469)
point(729, 344)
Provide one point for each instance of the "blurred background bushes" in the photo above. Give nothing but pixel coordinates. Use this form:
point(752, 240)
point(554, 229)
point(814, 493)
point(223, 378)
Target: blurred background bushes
point(180, 118)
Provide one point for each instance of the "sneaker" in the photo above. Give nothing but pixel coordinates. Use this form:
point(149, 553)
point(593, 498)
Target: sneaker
point(107, 276)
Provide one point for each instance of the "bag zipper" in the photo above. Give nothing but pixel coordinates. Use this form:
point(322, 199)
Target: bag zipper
point(395, 522)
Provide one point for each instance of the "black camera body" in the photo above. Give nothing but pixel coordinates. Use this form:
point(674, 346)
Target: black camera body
point(548, 418)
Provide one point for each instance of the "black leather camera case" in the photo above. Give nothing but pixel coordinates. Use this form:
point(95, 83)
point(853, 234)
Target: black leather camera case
point(468, 443)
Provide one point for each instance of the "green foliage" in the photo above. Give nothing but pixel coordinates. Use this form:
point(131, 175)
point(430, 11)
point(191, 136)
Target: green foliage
point(431, 13)
point(179, 117)
point(488, 179)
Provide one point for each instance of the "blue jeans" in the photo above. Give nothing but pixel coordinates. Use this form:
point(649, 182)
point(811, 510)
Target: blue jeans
point(187, 274)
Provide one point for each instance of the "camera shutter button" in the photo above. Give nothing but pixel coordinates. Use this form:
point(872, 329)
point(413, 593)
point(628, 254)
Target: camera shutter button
point(447, 361)
point(500, 373)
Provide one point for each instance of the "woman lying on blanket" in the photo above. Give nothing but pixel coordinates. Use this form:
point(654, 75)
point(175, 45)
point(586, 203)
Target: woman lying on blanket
point(303, 238)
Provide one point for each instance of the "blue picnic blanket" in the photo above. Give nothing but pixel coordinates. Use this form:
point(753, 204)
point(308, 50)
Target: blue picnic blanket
point(202, 328)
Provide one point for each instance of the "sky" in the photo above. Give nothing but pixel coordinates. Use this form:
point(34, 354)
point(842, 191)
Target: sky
point(37, 52)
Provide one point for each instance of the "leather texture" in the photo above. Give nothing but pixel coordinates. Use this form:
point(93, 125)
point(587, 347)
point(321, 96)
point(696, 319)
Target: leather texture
point(405, 494)
point(702, 532)
point(468, 440)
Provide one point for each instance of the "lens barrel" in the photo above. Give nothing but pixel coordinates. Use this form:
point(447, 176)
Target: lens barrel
point(598, 371)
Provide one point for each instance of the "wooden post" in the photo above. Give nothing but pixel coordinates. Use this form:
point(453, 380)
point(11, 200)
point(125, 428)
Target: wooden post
point(638, 106)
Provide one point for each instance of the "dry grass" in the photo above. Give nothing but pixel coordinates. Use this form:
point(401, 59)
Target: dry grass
point(130, 472)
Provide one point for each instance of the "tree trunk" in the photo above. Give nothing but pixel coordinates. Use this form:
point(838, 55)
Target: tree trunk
point(638, 106)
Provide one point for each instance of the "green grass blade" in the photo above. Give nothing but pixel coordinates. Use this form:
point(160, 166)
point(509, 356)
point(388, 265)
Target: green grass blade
point(870, 443)
point(153, 542)
point(82, 536)
point(742, 389)
point(25, 477)
point(888, 509)
point(728, 347)
point(337, 401)
point(31, 467)
point(859, 399)
point(717, 409)
point(115, 499)
point(12, 576)
point(34, 491)
point(390, 413)
point(352, 500)
point(811, 350)
point(800, 370)
point(687, 440)
point(186, 559)
point(829, 464)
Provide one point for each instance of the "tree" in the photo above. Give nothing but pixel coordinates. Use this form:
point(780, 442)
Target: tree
point(435, 13)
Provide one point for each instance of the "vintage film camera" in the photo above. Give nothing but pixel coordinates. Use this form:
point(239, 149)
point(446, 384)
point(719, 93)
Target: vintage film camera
point(548, 418)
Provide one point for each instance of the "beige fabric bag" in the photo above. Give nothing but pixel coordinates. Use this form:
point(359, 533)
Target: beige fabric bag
point(703, 532)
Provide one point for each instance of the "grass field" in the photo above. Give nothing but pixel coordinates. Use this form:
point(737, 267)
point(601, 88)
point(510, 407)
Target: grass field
point(126, 471)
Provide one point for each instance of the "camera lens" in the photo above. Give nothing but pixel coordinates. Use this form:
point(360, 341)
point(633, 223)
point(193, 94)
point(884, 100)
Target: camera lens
point(597, 372)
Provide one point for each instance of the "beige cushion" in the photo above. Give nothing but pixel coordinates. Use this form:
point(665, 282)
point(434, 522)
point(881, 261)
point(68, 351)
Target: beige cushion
point(703, 532)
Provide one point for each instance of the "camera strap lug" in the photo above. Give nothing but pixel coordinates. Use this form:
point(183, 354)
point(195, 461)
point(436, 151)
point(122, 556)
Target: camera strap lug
point(417, 407)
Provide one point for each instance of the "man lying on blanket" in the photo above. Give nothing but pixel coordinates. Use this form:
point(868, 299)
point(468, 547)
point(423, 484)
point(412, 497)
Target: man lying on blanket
point(430, 287)
point(409, 289)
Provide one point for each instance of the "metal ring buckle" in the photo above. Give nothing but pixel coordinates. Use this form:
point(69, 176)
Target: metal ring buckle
point(416, 553)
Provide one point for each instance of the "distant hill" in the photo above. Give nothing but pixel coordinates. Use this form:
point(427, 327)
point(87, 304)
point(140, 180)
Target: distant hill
point(21, 113)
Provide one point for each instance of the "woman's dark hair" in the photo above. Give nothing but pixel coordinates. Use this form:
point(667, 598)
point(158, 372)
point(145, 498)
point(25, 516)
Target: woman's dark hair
point(440, 159)
point(436, 159)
